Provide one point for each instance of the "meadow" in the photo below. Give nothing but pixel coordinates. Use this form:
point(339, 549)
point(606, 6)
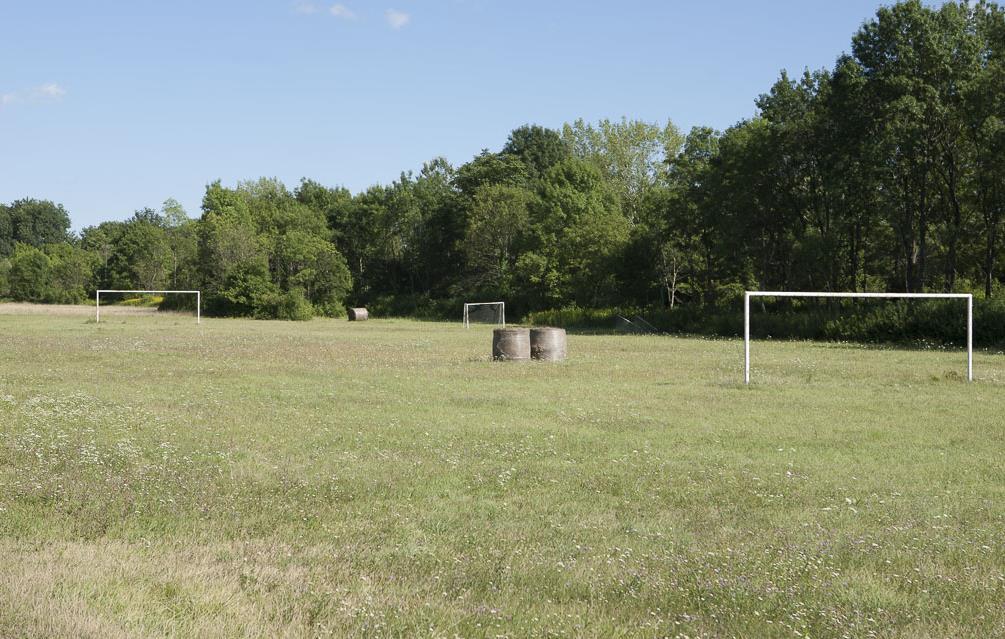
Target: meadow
point(246, 478)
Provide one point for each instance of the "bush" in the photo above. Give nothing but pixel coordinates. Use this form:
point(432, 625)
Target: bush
point(177, 303)
point(575, 317)
point(245, 294)
point(4, 278)
point(30, 275)
point(330, 309)
point(420, 307)
point(909, 322)
point(254, 294)
point(293, 305)
point(71, 273)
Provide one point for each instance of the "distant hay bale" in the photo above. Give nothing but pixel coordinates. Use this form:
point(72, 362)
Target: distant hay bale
point(358, 315)
point(548, 344)
point(511, 344)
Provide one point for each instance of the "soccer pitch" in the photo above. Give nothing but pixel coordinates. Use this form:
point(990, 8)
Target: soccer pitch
point(384, 478)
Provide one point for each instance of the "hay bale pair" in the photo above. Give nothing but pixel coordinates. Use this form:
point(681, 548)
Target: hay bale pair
point(522, 344)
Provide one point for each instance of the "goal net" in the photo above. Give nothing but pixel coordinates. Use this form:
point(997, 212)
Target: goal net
point(493, 313)
point(968, 298)
point(120, 292)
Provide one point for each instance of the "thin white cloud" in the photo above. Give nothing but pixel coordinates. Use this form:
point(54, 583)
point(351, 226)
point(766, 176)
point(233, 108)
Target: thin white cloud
point(342, 11)
point(397, 19)
point(50, 92)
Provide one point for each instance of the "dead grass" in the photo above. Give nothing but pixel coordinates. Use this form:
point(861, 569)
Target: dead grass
point(108, 311)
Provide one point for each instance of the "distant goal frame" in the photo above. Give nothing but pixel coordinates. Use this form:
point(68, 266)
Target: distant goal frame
point(97, 300)
point(822, 294)
point(468, 305)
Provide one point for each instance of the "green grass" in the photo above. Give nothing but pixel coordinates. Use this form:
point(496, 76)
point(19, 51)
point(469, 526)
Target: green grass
point(267, 479)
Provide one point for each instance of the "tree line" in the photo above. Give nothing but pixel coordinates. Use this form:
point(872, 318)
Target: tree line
point(884, 173)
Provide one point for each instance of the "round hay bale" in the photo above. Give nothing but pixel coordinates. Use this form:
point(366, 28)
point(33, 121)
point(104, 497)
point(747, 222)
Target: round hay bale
point(358, 315)
point(547, 344)
point(511, 344)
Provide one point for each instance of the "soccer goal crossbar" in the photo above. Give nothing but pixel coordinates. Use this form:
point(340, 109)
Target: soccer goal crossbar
point(198, 300)
point(912, 296)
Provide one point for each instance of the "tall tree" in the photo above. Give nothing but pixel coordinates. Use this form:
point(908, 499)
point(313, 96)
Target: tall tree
point(632, 155)
point(173, 213)
point(32, 222)
point(539, 148)
point(142, 257)
point(984, 105)
point(580, 233)
point(498, 225)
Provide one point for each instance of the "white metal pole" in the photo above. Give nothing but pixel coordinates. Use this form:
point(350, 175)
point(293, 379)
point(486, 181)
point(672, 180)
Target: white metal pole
point(97, 307)
point(746, 338)
point(504, 314)
point(198, 307)
point(465, 316)
point(970, 338)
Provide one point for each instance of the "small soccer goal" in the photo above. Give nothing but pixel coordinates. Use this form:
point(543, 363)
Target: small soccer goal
point(485, 313)
point(911, 296)
point(97, 300)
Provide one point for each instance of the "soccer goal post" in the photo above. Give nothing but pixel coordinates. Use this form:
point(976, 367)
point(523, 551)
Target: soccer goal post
point(485, 312)
point(198, 300)
point(913, 296)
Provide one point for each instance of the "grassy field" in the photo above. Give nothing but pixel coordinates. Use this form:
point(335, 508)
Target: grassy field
point(385, 479)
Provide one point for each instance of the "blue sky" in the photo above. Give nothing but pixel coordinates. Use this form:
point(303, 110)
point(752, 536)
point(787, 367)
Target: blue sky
point(108, 107)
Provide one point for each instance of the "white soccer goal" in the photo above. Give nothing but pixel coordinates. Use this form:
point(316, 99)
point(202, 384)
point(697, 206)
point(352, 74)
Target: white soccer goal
point(198, 300)
point(951, 296)
point(485, 313)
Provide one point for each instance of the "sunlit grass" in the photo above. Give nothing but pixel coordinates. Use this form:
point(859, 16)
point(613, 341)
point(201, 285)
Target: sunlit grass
point(245, 478)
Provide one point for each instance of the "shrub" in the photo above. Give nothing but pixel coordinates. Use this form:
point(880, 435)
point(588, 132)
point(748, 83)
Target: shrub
point(912, 322)
point(30, 275)
point(330, 309)
point(4, 278)
point(244, 294)
point(177, 303)
point(575, 317)
point(420, 307)
point(293, 305)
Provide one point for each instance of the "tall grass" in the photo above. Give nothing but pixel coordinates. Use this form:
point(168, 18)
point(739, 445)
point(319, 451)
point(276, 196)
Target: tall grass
point(247, 478)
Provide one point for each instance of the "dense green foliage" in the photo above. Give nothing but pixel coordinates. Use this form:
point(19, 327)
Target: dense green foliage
point(929, 323)
point(32, 222)
point(256, 251)
point(56, 273)
point(886, 172)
